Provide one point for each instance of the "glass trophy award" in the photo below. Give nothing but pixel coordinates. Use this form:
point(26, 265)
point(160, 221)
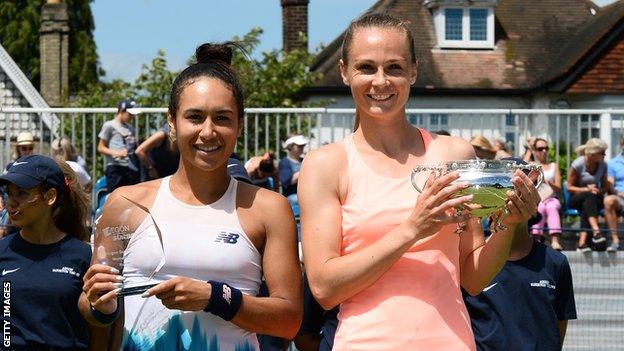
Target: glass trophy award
point(127, 238)
point(489, 181)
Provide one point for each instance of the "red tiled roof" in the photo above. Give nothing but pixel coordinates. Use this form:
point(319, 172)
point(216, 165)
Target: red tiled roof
point(536, 42)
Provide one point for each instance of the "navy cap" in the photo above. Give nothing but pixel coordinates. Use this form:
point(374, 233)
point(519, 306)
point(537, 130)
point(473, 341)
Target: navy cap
point(236, 170)
point(33, 170)
point(128, 105)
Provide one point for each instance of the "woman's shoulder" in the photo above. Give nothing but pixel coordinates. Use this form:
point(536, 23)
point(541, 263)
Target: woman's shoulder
point(80, 248)
point(327, 154)
point(450, 147)
point(260, 199)
point(578, 162)
point(142, 193)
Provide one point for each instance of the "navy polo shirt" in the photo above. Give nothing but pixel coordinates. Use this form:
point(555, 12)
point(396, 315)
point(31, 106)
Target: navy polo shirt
point(41, 286)
point(520, 307)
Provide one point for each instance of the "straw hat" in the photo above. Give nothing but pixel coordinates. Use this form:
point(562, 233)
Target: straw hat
point(483, 147)
point(25, 138)
point(592, 146)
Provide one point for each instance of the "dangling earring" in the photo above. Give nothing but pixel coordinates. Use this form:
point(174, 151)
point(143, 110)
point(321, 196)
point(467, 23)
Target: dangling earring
point(172, 137)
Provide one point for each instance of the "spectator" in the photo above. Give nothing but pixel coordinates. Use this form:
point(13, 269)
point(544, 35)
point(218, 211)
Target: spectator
point(614, 204)
point(117, 144)
point(46, 260)
point(290, 165)
point(587, 183)
point(527, 305)
point(63, 150)
point(261, 168)
point(221, 236)
point(25, 146)
point(549, 206)
point(501, 149)
point(158, 155)
point(442, 132)
point(528, 150)
point(482, 147)
point(386, 254)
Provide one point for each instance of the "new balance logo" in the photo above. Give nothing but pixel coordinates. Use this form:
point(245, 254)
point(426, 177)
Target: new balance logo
point(227, 238)
point(227, 294)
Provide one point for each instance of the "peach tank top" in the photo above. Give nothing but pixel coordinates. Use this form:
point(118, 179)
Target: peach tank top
point(417, 303)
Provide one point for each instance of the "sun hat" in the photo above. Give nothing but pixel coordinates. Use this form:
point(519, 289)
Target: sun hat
point(297, 139)
point(25, 138)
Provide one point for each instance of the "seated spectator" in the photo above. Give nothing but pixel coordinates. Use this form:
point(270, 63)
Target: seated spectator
point(549, 206)
point(501, 149)
point(587, 183)
point(260, 168)
point(290, 165)
point(25, 146)
point(63, 150)
point(528, 150)
point(158, 154)
point(615, 203)
point(483, 148)
point(527, 305)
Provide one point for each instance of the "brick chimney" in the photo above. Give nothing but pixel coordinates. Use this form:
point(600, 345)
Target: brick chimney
point(294, 22)
point(54, 52)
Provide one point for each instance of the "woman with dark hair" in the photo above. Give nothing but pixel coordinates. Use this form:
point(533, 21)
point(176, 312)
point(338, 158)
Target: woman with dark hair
point(44, 263)
point(389, 256)
point(220, 236)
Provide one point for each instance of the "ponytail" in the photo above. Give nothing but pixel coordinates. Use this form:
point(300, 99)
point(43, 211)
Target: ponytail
point(70, 215)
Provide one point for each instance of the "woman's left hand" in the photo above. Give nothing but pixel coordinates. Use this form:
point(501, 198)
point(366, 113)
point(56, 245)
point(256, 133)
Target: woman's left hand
point(523, 201)
point(182, 293)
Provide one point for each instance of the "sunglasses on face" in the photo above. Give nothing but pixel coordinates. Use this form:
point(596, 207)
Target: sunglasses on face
point(27, 148)
point(543, 148)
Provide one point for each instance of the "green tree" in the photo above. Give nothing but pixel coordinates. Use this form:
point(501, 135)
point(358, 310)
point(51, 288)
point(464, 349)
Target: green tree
point(273, 80)
point(19, 35)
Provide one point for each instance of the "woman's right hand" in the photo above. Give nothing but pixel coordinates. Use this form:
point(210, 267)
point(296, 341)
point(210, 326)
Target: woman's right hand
point(436, 205)
point(101, 285)
point(593, 189)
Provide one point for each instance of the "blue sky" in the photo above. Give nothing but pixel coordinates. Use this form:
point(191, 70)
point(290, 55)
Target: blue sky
point(129, 33)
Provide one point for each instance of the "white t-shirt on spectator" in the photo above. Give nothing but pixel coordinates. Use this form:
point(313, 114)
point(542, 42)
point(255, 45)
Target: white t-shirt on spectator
point(81, 173)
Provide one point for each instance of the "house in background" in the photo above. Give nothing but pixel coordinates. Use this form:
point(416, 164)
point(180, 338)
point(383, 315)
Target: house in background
point(16, 90)
point(491, 54)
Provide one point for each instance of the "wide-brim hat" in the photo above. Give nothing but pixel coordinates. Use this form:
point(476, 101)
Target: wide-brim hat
point(25, 138)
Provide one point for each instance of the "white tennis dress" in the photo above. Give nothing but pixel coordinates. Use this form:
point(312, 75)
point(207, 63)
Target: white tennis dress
point(203, 243)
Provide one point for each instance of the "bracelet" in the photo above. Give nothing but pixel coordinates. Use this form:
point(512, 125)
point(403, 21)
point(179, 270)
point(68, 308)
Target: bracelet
point(103, 317)
point(225, 301)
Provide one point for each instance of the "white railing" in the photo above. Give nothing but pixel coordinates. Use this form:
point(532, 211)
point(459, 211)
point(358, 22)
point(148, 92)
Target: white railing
point(265, 128)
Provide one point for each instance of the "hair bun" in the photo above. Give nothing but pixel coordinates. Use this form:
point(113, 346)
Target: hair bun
point(214, 52)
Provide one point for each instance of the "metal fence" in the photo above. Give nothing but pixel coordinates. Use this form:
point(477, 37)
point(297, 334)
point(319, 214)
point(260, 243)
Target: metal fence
point(265, 128)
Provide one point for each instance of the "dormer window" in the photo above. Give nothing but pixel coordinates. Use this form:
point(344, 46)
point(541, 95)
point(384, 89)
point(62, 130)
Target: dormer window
point(463, 24)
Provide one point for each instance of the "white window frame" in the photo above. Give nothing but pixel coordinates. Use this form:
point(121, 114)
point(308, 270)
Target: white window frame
point(440, 21)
